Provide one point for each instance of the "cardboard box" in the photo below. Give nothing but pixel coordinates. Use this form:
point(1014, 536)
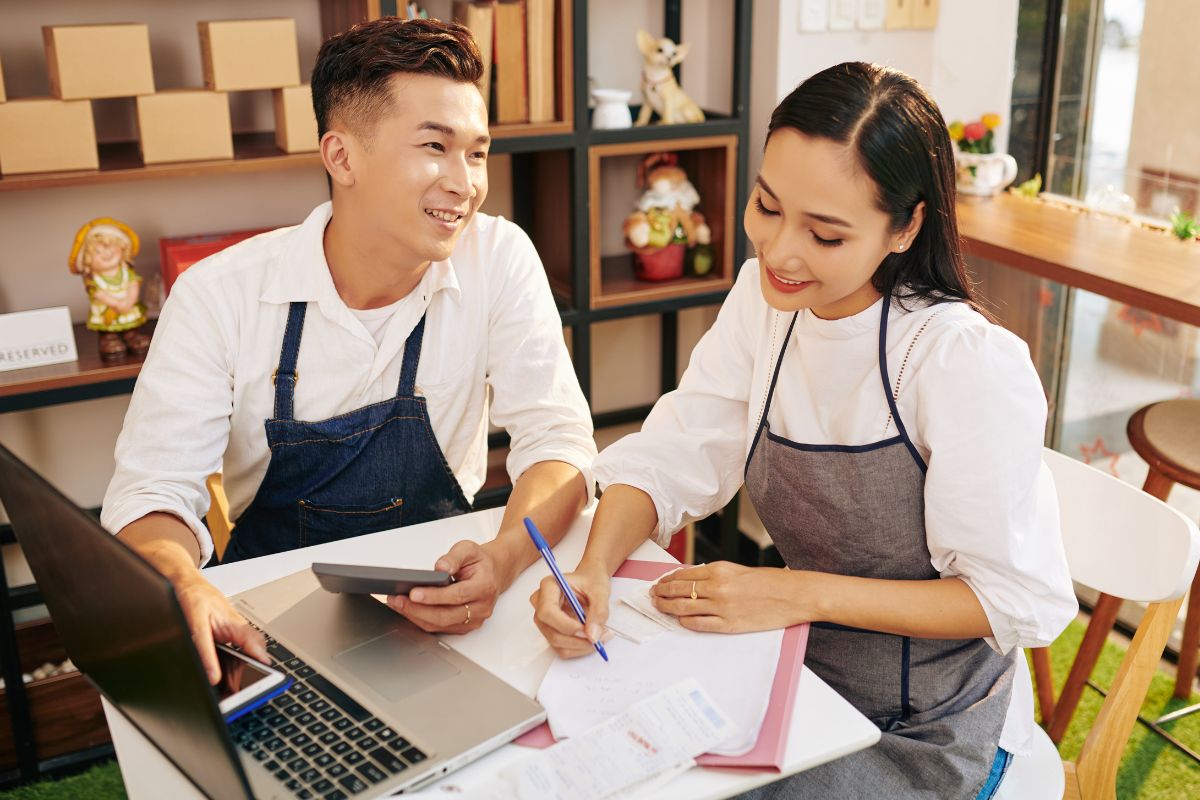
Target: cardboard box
point(184, 125)
point(47, 135)
point(295, 120)
point(245, 54)
point(93, 61)
point(177, 253)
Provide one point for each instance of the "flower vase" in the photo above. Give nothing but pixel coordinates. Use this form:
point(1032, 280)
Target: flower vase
point(984, 174)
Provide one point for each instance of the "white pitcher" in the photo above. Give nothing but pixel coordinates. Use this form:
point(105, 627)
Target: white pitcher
point(984, 174)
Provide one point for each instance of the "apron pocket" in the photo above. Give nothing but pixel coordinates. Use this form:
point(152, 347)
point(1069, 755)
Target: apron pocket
point(328, 523)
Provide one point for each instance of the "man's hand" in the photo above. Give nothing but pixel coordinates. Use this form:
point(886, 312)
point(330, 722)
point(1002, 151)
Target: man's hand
point(213, 619)
point(167, 543)
point(462, 606)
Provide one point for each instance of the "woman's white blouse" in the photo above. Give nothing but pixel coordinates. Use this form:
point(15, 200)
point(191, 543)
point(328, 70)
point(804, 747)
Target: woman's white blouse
point(971, 402)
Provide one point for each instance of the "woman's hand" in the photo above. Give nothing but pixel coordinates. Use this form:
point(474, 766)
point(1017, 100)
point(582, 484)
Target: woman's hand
point(553, 615)
point(728, 598)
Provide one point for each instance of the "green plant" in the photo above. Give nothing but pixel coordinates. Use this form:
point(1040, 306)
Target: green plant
point(1030, 188)
point(1184, 226)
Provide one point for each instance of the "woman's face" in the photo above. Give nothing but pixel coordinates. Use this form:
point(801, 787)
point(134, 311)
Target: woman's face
point(816, 229)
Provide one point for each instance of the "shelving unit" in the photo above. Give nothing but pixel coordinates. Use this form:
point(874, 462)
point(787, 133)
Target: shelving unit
point(556, 186)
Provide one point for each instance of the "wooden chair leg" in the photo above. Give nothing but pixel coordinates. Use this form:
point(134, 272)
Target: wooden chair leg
point(1043, 679)
point(1190, 647)
point(1103, 617)
point(1157, 485)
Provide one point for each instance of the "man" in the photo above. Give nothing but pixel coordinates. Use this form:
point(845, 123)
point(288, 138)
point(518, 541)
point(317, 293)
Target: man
point(339, 371)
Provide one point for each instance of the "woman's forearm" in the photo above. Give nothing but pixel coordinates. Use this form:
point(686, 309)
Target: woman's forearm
point(944, 608)
point(625, 517)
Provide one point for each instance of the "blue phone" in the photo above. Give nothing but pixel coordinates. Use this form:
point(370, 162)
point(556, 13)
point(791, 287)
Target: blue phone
point(245, 683)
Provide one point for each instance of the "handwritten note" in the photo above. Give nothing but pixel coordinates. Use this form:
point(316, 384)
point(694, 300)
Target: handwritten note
point(654, 739)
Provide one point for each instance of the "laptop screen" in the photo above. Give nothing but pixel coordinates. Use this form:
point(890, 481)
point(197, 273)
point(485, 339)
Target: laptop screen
point(122, 626)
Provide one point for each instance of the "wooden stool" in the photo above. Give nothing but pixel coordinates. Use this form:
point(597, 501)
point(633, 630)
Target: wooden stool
point(1167, 436)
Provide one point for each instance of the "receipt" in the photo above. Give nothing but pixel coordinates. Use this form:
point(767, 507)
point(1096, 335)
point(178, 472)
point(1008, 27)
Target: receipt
point(660, 734)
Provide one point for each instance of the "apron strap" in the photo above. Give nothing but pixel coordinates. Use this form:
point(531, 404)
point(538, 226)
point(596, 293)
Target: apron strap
point(887, 386)
point(285, 374)
point(762, 420)
point(412, 357)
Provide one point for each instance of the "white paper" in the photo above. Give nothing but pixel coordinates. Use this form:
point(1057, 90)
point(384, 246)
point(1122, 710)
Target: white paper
point(632, 616)
point(36, 338)
point(655, 739)
point(737, 671)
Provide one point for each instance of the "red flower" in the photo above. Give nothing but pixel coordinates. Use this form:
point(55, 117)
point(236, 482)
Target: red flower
point(974, 132)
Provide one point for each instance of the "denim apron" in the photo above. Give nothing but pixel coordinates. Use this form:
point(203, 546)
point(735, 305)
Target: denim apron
point(367, 470)
point(859, 510)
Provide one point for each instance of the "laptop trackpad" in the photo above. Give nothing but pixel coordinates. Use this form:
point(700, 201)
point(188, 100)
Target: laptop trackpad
point(395, 666)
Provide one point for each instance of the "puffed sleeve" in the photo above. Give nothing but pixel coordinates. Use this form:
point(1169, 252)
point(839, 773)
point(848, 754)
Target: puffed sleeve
point(990, 510)
point(689, 455)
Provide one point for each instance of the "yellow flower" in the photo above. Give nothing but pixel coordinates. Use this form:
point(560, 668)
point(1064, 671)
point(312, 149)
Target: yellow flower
point(956, 131)
point(991, 121)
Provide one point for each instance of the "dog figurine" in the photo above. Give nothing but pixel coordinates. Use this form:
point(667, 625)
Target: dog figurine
point(659, 88)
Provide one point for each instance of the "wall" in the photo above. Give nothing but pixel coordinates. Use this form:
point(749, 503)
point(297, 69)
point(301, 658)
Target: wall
point(966, 62)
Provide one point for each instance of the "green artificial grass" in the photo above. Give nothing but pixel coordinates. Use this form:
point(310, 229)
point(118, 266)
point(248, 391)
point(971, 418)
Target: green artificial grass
point(1151, 770)
point(101, 782)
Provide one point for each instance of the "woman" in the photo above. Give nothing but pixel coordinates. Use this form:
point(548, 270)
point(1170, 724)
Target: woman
point(890, 437)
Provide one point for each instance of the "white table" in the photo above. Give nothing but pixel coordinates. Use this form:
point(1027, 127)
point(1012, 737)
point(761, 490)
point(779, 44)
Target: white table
point(824, 726)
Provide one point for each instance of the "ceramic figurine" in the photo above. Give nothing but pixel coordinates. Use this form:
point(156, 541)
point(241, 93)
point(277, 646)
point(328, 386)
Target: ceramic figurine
point(660, 90)
point(666, 223)
point(103, 254)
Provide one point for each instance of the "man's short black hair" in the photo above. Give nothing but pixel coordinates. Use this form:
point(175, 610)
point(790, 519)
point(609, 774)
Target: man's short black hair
point(351, 81)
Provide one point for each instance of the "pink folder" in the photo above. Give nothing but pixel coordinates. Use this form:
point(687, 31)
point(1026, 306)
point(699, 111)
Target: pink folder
point(768, 751)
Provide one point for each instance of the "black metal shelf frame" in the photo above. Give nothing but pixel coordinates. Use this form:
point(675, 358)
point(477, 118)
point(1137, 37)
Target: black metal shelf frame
point(575, 312)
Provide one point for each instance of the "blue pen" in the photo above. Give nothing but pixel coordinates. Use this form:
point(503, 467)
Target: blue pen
point(544, 549)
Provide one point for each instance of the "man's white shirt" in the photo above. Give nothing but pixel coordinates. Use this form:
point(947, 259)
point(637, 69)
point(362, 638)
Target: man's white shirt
point(493, 341)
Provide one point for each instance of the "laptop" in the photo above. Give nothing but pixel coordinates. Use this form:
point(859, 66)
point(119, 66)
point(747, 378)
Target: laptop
point(377, 706)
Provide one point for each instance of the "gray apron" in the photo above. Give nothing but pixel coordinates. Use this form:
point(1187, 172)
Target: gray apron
point(859, 510)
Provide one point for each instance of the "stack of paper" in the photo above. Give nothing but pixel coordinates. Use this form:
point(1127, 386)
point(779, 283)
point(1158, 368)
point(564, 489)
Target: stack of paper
point(737, 671)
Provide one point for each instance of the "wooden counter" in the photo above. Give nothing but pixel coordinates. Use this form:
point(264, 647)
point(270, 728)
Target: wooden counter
point(1149, 270)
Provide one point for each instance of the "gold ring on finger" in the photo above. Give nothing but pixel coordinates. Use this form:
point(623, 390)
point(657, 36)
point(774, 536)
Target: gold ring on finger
point(467, 606)
point(694, 590)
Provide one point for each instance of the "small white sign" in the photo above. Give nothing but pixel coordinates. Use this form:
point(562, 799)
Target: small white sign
point(814, 16)
point(36, 338)
point(872, 14)
point(842, 14)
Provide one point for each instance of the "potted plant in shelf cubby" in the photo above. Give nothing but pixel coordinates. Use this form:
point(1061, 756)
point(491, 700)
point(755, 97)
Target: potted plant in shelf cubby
point(666, 230)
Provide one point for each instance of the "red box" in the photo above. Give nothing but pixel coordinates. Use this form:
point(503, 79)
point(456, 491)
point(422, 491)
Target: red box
point(177, 253)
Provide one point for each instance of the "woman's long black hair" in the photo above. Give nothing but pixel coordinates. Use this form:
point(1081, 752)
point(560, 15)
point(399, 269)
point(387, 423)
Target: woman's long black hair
point(903, 145)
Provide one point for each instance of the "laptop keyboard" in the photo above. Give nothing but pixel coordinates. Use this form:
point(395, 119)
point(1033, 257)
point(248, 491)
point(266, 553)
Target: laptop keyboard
point(317, 740)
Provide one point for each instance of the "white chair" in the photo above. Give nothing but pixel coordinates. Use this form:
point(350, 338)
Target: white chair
point(1099, 514)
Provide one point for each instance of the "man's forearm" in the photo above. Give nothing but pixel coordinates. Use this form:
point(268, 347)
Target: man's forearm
point(166, 542)
point(551, 493)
